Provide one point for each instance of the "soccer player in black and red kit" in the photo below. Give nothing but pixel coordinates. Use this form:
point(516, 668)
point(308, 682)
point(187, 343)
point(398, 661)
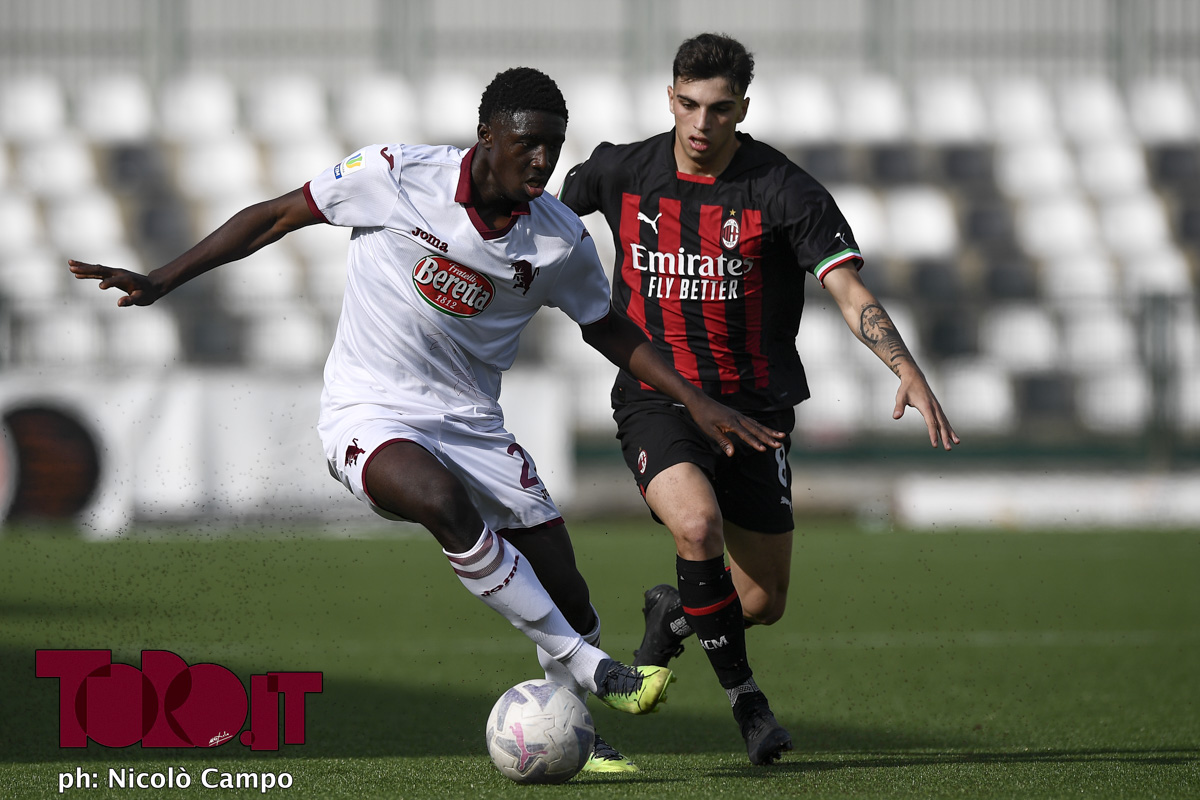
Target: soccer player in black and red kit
point(715, 234)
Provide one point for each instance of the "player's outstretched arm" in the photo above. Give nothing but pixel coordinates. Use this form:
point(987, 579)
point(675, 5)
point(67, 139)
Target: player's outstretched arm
point(624, 344)
point(871, 324)
point(249, 230)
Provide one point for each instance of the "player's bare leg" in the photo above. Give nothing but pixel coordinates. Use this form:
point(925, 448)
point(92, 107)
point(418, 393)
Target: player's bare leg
point(762, 571)
point(684, 500)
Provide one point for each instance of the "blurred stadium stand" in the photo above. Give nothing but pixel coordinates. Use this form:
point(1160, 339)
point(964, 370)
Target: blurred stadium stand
point(1024, 180)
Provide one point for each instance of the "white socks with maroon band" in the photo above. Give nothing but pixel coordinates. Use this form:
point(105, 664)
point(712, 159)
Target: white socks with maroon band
point(557, 672)
point(496, 572)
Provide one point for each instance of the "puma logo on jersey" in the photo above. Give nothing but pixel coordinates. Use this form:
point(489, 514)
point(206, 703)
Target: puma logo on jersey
point(653, 223)
point(783, 501)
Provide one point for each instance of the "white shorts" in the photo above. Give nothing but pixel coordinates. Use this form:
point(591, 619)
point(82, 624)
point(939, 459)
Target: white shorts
point(499, 475)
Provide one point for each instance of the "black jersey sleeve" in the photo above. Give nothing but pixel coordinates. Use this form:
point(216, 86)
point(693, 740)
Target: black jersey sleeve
point(581, 190)
point(816, 230)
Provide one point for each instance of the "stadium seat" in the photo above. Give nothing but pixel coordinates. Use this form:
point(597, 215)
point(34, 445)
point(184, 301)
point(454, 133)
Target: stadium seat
point(85, 224)
point(1078, 276)
point(291, 164)
point(864, 211)
point(323, 249)
point(1047, 399)
point(599, 108)
point(920, 223)
point(56, 166)
point(145, 337)
point(1097, 337)
point(1175, 166)
point(1022, 337)
point(377, 107)
point(979, 395)
point(1048, 228)
point(1008, 274)
point(70, 336)
point(22, 226)
point(873, 110)
point(1021, 110)
point(829, 163)
point(1134, 223)
point(1091, 109)
point(948, 109)
point(450, 107)
point(265, 284)
point(33, 107)
point(33, 278)
point(824, 338)
point(285, 108)
point(1115, 402)
point(196, 107)
point(895, 164)
point(838, 407)
point(295, 340)
point(1112, 168)
point(1163, 271)
point(987, 221)
point(1162, 110)
point(221, 167)
point(1027, 170)
point(950, 331)
point(970, 167)
point(805, 109)
point(652, 113)
point(115, 108)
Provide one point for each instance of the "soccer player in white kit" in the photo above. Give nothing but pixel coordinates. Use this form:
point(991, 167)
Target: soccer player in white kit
point(452, 253)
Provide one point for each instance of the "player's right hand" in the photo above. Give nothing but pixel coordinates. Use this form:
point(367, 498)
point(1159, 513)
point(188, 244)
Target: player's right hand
point(139, 289)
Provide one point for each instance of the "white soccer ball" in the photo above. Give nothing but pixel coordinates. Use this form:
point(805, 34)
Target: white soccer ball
point(539, 732)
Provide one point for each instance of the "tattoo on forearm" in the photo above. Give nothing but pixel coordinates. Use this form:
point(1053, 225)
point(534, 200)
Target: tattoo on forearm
point(880, 333)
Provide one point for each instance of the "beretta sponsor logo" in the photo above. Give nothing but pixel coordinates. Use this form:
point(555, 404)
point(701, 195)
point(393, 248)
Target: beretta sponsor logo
point(452, 288)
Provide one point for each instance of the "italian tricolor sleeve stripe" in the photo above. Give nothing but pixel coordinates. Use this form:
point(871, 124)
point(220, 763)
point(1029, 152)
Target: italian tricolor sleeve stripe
point(834, 261)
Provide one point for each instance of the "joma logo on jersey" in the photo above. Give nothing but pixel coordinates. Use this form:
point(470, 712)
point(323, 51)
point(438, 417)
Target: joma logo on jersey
point(452, 288)
point(434, 241)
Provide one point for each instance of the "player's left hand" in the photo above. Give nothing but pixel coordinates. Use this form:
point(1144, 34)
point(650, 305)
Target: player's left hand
point(721, 422)
point(914, 391)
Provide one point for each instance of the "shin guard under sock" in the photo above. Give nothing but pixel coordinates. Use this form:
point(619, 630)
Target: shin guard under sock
point(714, 611)
point(496, 572)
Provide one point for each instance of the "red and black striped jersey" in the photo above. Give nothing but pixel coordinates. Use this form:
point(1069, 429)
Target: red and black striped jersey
point(712, 269)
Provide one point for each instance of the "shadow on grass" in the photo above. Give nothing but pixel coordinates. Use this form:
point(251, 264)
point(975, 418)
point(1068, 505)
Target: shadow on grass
point(361, 719)
point(851, 759)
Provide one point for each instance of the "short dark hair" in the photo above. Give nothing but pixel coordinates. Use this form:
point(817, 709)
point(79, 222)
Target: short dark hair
point(714, 55)
point(521, 89)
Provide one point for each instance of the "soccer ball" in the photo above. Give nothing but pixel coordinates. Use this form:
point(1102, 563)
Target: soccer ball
point(539, 732)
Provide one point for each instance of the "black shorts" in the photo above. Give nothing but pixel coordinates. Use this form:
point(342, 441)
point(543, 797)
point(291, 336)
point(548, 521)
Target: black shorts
point(754, 489)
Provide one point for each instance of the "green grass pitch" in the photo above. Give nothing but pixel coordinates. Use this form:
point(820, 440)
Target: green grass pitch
point(970, 664)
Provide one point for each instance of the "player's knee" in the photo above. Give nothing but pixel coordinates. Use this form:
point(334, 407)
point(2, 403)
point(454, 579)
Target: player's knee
point(699, 535)
point(763, 607)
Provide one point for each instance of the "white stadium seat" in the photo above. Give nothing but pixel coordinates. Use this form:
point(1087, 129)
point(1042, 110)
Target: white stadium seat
point(289, 165)
point(1163, 110)
point(1115, 401)
point(1079, 275)
point(1020, 337)
point(1092, 109)
point(450, 108)
point(32, 107)
point(921, 222)
point(873, 109)
point(283, 108)
point(115, 108)
point(1021, 110)
point(979, 395)
point(1112, 168)
point(1097, 337)
point(143, 337)
point(293, 340)
point(85, 224)
point(219, 167)
point(377, 107)
point(949, 109)
point(57, 166)
point(197, 107)
point(21, 227)
point(1032, 169)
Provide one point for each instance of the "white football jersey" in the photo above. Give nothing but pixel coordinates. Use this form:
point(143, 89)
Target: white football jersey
point(435, 301)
